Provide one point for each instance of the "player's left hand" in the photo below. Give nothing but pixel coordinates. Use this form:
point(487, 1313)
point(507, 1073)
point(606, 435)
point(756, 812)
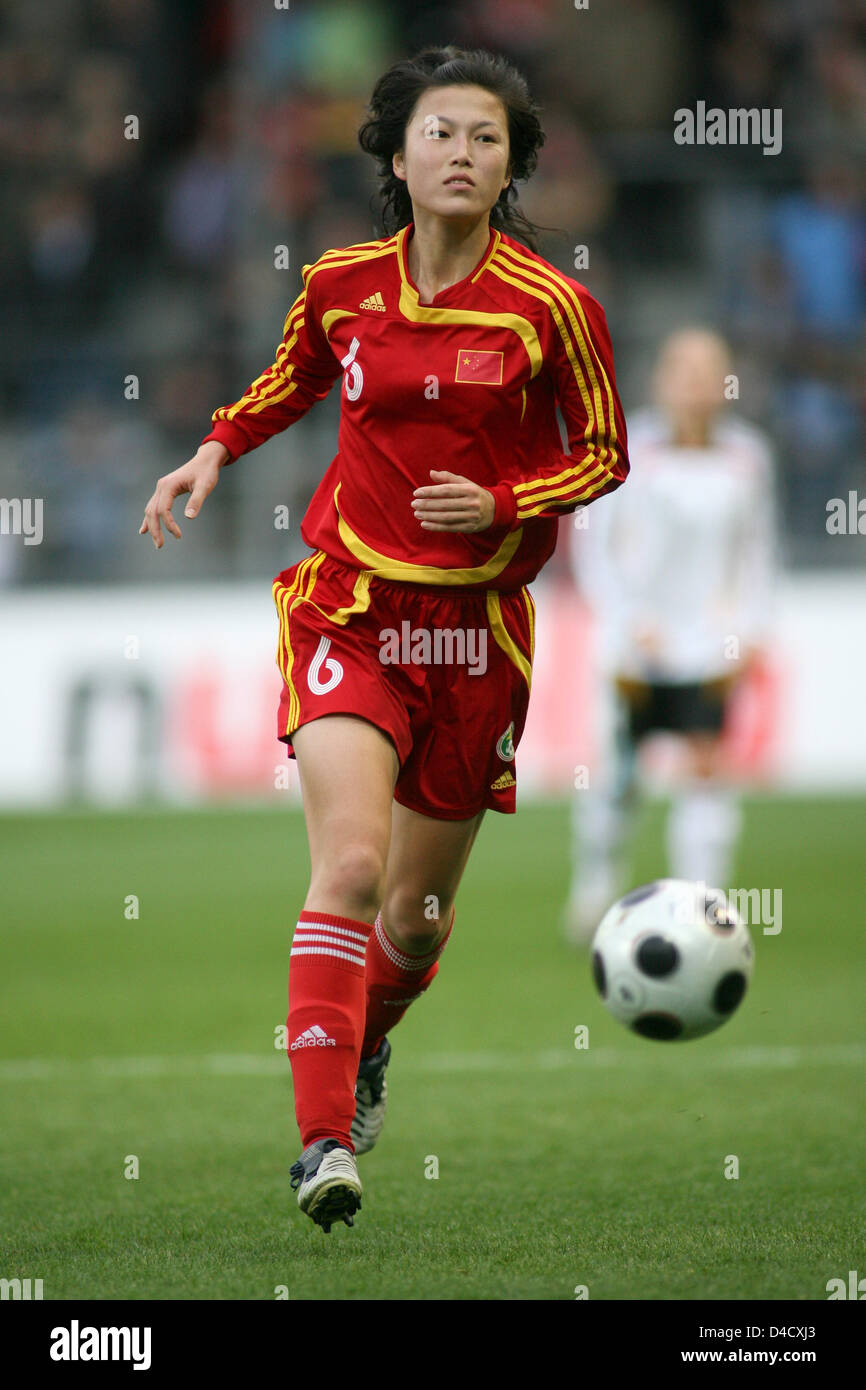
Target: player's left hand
point(453, 503)
point(752, 657)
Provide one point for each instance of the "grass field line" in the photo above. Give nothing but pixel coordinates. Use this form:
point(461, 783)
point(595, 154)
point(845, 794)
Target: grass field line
point(774, 1057)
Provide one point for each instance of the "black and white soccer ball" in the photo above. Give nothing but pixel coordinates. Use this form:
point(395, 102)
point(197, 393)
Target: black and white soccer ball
point(672, 960)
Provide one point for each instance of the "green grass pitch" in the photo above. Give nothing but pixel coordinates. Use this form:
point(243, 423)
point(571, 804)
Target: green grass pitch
point(557, 1167)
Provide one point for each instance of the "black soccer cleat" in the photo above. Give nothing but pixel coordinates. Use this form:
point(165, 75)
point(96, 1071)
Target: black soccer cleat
point(371, 1093)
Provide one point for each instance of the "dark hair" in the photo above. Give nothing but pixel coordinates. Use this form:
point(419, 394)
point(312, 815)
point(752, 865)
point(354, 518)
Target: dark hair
point(394, 99)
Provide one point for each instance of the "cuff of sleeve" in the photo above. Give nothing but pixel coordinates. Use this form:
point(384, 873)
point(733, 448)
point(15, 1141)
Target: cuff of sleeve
point(506, 506)
point(234, 439)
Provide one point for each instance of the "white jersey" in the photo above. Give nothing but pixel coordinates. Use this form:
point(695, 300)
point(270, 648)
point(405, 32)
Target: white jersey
point(677, 564)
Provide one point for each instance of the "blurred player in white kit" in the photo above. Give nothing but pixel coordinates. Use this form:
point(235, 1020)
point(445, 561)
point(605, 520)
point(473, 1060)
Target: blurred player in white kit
point(677, 569)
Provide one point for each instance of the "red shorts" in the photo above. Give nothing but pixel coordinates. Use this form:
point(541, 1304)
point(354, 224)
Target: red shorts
point(445, 673)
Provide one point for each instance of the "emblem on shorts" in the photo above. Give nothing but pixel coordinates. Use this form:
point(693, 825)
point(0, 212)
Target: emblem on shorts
point(506, 780)
point(505, 744)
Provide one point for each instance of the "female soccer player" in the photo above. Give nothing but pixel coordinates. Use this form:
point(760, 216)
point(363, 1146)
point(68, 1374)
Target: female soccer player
point(406, 635)
point(678, 570)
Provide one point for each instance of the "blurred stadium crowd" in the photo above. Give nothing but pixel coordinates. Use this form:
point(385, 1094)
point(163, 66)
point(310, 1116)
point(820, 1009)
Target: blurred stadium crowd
point(139, 285)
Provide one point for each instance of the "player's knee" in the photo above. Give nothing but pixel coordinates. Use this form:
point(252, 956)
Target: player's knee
point(416, 923)
point(705, 759)
point(355, 875)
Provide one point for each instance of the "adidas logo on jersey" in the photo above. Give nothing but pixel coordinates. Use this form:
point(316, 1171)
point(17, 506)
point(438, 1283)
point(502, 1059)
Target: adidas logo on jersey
point(373, 301)
point(313, 1037)
point(506, 780)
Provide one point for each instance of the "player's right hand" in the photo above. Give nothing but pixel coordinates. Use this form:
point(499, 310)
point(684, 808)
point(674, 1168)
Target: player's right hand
point(647, 639)
point(199, 477)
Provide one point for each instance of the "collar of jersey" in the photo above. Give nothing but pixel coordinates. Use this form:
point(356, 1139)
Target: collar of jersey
point(410, 291)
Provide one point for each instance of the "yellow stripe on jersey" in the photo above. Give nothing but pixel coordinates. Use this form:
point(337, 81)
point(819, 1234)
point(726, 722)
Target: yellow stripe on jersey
point(334, 314)
point(590, 403)
point(541, 493)
point(489, 257)
point(416, 312)
point(585, 341)
point(590, 484)
point(583, 336)
point(537, 495)
point(503, 637)
point(359, 248)
point(267, 390)
point(388, 567)
point(350, 256)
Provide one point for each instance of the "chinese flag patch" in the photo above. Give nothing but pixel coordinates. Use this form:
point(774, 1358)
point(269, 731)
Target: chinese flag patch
point(482, 368)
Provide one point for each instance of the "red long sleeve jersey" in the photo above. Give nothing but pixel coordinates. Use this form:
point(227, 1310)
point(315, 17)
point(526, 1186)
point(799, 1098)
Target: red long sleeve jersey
point(467, 383)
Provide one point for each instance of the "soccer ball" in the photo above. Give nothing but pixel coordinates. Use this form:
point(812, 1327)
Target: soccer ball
point(672, 960)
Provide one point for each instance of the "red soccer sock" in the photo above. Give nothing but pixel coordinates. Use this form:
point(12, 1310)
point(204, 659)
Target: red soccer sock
point(394, 981)
point(326, 1022)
